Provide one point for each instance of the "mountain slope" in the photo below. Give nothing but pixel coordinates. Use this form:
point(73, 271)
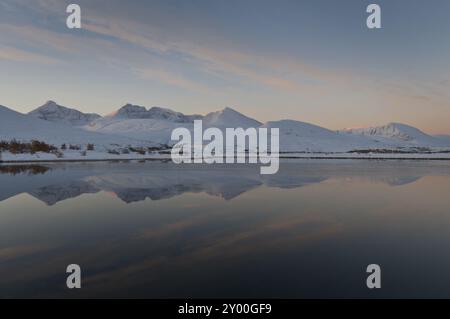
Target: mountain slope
point(398, 135)
point(53, 112)
point(296, 136)
point(444, 138)
point(157, 131)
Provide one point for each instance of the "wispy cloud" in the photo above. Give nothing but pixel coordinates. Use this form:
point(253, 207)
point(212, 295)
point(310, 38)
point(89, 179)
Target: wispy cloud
point(18, 55)
point(109, 35)
point(170, 78)
point(275, 72)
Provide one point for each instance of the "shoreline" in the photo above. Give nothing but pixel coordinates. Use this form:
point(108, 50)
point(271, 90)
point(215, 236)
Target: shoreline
point(166, 159)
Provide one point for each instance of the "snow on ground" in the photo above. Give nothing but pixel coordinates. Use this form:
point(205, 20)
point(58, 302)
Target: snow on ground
point(76, 156)
point(159, 131)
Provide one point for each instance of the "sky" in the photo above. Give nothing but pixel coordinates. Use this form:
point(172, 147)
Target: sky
point(313, 60)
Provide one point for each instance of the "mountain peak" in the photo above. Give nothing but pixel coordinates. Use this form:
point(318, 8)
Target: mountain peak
point(130, 111)
point(50, 103)
point(53, 112)
point(229, 117)
point(229, 109)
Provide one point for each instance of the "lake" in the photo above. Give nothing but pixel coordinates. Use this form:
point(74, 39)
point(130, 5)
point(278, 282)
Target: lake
point(158, 230)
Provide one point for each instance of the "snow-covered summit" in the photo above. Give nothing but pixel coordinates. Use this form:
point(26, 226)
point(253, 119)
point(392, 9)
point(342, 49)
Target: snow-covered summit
point(229, 117)
point(53, 112)
point(130, 111)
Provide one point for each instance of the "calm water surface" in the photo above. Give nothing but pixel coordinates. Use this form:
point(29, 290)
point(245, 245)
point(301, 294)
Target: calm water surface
point(159, 230)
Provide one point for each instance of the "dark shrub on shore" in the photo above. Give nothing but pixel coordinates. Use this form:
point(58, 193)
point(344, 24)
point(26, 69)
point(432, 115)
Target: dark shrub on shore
point(75, 147)
point(37, 146)
point(16, 147)
point(138, 150)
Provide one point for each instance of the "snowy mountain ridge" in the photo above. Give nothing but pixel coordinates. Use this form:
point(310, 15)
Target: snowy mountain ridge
point(53, 112)
point(130, 111)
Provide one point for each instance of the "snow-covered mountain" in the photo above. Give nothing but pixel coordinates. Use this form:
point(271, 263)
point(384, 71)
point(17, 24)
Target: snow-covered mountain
point(22, 127)
point(397, 134)
point(53, 112)
point(296, 136)
point(157, 124)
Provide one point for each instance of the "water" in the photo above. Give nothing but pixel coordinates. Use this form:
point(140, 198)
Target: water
point(157, 230)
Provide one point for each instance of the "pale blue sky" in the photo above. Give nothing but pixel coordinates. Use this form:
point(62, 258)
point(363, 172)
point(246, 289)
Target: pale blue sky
point(313, 61)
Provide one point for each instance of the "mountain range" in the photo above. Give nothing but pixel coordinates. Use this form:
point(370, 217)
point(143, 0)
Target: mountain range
point(140, 126)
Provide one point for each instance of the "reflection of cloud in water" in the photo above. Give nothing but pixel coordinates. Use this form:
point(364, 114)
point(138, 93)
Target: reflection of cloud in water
point(145, 259)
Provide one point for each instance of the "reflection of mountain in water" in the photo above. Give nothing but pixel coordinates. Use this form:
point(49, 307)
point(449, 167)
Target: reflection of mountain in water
point(56, 193)
point(134, 181)
point(290, 181)
point(166, 184)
